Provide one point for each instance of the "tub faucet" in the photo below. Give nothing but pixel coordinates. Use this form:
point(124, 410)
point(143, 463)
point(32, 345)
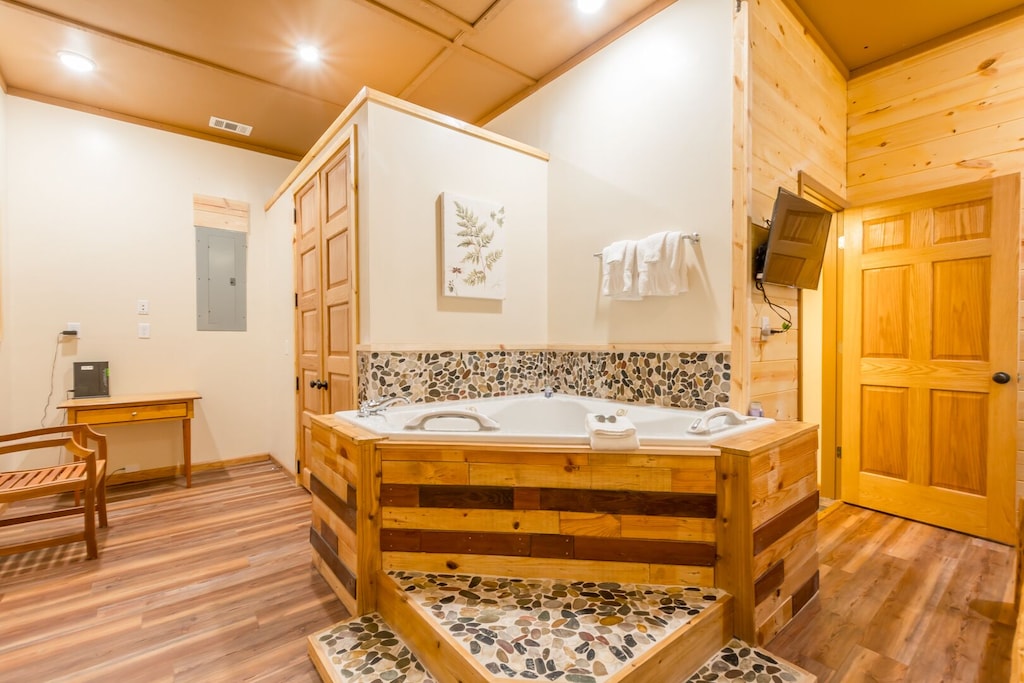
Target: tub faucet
point(548, 392)
point(374, 405)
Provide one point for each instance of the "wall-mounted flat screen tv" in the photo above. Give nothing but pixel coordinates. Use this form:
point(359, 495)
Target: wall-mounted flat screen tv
point(797, 235)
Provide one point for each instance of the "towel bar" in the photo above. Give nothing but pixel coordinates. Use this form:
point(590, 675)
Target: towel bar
point(692, 236)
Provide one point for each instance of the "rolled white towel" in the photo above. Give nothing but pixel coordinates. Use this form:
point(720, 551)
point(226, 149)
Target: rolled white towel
point(609, 425)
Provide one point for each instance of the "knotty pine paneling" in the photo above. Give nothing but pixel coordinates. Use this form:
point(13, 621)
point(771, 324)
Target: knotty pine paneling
point(797, 123)
point(947, 116)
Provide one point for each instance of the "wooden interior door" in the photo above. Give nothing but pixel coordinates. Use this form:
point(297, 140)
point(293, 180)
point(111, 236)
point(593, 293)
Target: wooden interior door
point(325, 298)
point(930, 303)
point(308, 335)
point(338, 303)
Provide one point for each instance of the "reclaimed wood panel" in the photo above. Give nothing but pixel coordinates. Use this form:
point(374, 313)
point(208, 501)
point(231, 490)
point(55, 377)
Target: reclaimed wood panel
point(536, 567)
point(525, 521)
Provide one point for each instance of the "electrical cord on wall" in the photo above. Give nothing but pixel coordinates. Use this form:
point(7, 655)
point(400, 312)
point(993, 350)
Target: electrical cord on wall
point(53, 370)
point(781, 311)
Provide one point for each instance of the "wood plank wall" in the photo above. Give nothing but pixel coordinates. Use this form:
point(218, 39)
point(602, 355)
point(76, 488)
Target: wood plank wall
point(768, 557)
point(346, 519)
point(571, 513)
point(797, 123)
point(951, 115)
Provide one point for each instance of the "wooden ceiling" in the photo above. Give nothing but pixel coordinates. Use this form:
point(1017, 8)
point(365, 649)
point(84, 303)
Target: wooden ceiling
point(173, 64)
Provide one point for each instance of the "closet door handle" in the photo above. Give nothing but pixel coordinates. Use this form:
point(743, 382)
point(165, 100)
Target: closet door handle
point(1001, 378)
point(314, 384)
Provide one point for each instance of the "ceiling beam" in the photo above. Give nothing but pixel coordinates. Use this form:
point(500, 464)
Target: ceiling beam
point(156, 49)
point(457, 45)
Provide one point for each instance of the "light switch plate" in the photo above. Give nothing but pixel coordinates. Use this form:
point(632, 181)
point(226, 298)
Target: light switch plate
point(143, 330)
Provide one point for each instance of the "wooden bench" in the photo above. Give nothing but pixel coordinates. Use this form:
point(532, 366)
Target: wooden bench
point(84, 476)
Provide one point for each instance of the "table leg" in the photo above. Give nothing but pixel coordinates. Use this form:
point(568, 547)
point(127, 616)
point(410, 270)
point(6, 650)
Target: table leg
point(186, 443)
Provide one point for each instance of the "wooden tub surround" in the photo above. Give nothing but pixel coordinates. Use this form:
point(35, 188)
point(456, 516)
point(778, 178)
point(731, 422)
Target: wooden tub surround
point(739, 516)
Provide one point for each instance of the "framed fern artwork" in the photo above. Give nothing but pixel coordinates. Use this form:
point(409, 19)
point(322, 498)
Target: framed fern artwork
point(473, 247)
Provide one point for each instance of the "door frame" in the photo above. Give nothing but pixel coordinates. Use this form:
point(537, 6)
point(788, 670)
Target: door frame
point(831, 330)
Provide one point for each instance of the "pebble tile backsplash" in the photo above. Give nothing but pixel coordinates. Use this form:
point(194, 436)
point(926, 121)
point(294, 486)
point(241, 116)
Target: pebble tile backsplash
point(697, 380)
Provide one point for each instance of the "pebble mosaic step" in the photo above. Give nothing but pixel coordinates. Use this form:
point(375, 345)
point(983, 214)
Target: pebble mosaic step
point(364, 650)
point(740, 662)
point(555, 630)
point(539, 629)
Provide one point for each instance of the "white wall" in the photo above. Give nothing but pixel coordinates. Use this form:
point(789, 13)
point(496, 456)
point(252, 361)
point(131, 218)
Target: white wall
point(408, 163)
point(99, 214)
point(640, 137)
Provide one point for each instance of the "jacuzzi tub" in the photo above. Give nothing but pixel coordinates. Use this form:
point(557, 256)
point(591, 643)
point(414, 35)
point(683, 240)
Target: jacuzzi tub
point(536, 418)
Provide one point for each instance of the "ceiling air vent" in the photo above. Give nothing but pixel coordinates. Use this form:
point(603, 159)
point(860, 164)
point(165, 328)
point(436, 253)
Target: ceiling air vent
point(230, 126)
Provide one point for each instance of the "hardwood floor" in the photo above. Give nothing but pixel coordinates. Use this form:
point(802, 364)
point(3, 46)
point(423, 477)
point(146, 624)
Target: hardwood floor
point(212, 583)
point(902, 601)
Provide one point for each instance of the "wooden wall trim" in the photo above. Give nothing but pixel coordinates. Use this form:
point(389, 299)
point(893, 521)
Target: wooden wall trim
point(739, 395)
point(617, 347)
point(302, 169)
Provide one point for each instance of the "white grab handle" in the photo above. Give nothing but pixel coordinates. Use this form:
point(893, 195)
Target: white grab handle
point(486, 424)
point(702, 425)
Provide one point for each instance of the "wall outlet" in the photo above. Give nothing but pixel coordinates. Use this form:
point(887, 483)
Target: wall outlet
point(74, 327)
point(131, 468)
point(143, 330)
point(142, 308)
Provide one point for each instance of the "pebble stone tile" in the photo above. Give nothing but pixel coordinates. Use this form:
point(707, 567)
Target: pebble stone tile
point(739, 662)
point(552, 630)
point(366, 650)
point(695, 380)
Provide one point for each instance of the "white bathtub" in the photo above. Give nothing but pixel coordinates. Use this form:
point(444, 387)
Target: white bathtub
point(535, 418)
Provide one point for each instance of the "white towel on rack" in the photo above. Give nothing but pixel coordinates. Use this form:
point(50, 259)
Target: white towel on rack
point(618, 270)
point(661, 265)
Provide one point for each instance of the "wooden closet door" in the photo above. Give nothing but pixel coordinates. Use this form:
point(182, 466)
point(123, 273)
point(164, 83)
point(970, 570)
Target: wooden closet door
point(308, 336)
point(336, 181)
point(929, 424)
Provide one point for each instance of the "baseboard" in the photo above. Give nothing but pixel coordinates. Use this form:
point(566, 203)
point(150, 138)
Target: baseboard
point(179, 470)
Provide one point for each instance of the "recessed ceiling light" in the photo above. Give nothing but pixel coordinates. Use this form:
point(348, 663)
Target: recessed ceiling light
point(75, 61)
point(309, 53)
point(589, 6)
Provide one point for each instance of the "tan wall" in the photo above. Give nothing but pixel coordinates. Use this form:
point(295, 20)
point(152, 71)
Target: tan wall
point(99, 214)
point(944, 117)
point(5, 359)
point(639, 142)
point(406, 162)
point(797, 123)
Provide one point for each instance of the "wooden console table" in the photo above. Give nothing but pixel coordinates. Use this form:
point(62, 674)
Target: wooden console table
point(115, 410)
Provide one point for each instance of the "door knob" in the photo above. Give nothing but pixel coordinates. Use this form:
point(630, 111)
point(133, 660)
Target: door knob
point(314, 384)
point(1000, 378)
point(323, 385)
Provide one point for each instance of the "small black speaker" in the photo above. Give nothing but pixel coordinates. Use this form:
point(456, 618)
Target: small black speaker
point(92, 379)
